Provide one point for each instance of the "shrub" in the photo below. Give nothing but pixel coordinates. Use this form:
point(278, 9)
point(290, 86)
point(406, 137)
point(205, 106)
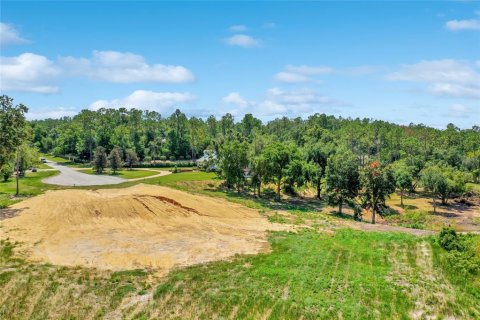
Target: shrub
point(163, 158)
point(6, 171)
point(181, 158)
point(172, 158)
point(176, 169)
point(449, 239)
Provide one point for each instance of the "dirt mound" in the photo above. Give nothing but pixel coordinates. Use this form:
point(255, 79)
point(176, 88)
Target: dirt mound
point(141, 226)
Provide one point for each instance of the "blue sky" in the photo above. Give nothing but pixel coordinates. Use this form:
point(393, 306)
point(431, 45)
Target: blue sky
point(396, 61)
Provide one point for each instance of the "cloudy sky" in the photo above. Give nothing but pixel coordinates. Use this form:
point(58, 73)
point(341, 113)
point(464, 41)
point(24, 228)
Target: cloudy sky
point(397, 61)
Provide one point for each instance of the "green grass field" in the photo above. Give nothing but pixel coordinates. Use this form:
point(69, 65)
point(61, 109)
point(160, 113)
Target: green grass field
point(126, 174)
point(309, 275)
point(41, 165)
point(30, 185)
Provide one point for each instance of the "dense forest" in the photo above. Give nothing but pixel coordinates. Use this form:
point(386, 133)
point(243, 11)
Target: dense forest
point(354, 162)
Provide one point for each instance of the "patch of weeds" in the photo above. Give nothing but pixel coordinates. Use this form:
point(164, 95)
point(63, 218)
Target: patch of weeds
point(411, 219)
point(130, 273)
point(161, 290)
point(6, 251)
point(277, 218)
point(120, 293)
point(5, 277)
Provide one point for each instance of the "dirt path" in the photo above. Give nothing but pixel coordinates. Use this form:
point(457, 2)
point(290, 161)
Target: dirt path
point(386, 228)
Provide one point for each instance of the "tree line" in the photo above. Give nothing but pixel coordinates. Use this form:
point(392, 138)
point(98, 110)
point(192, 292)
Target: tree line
point(354, 162)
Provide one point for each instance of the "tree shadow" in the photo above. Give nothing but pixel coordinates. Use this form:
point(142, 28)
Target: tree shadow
point(8, 213)
point(341, 215)
point(269, 200)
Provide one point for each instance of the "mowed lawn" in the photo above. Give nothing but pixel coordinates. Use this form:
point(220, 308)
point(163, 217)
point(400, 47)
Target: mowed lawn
point(126, 174)
point(30, 185)
point(310, 275)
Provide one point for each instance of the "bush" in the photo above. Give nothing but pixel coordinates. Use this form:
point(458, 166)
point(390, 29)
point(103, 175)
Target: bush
point(172, 158)
point(6, 171)
point(166, 164)
point(163, 158)
point(181, 158)
point(463, 254)
point(188, 157)
point(449, 239)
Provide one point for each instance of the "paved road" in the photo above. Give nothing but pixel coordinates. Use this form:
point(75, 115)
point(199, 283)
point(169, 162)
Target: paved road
point(71, 177)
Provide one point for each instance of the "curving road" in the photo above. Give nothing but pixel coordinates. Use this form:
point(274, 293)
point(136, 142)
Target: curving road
point(71, 177)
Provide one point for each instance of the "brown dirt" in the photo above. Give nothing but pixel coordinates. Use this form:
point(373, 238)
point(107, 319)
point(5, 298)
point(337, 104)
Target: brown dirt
point(141, 226)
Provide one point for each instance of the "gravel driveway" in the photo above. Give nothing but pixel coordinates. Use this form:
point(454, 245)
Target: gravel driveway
point(71, 177)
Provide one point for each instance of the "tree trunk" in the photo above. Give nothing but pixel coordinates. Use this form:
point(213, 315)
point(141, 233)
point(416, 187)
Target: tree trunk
point(340, 207)
point(319, 187)
point(17, 176)
point(401, 198)
point(374, 220)
point(259, 187)
point(278, 188)
point(434, 205)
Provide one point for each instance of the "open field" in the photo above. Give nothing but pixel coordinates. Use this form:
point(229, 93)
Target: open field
point(321, 271)
point(348, 274)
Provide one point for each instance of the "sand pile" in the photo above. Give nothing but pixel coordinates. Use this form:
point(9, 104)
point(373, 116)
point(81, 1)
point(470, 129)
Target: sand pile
point(141, 226)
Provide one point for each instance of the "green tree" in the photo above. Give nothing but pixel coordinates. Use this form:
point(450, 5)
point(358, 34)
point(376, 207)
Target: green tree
point(403, 181)
point(342, 179)
point(278, 156)
point(13, 131)
point(100, 159)
point(377, 185)
point(232, 162)
point(434, 182)
point(443, 182)
point(6, 171)
point(115, 159)
point(131, 158)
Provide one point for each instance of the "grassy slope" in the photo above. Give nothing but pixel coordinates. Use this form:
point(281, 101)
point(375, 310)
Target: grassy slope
point(126, 174)
point(352, 274)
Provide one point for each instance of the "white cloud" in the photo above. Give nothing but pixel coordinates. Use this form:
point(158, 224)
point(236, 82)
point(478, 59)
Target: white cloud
point(303, 73)
point(443, 77)
point(124, 67)
point(52, 113)
point(242, 40)
point(236, 99)
point(28, 72)
point(141, 99)
point(238, 28)
point(277, 102)
point(457, 25)
point(9, 35)
point(458, 108)
point(290, 77)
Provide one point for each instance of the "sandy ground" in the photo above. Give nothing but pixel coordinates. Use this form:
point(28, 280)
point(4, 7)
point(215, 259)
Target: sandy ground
point(141, 226)
point(72, 177)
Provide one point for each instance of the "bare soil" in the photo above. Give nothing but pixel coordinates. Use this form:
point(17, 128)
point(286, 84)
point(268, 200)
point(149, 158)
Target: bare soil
point(143, 226)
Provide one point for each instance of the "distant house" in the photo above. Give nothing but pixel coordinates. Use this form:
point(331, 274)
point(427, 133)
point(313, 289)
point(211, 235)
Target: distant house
point(208, 161)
